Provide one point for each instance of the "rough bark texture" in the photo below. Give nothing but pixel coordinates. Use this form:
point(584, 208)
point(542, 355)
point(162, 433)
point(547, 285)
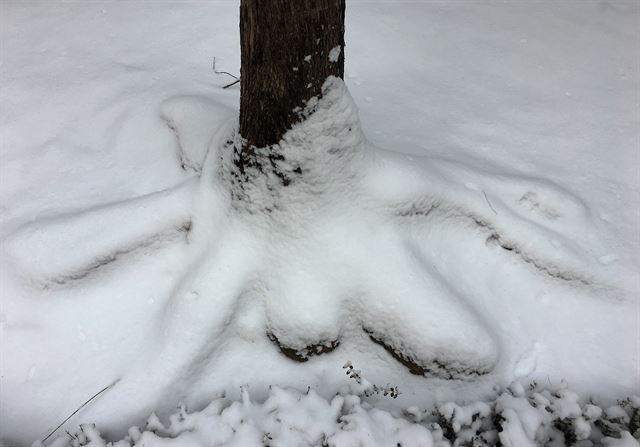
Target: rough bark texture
point(285, 59)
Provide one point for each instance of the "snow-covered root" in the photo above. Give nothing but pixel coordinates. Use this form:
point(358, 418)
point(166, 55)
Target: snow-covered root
point(304, 310)
point(195, 120)
point(188, 330)
point(421, 320)
point(59, 250)
point(202, 303)
point(515, 417)
point(322, 292)
point(536, 220)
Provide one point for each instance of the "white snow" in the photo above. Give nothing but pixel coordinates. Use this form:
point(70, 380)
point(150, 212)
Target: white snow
point(334, 54)
point(290, 417)
point(478, 215)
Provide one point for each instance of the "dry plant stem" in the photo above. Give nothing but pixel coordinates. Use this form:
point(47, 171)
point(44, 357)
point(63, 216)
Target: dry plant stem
point(80, 408)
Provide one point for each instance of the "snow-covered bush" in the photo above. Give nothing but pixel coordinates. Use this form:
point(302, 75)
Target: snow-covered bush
point(516, 417)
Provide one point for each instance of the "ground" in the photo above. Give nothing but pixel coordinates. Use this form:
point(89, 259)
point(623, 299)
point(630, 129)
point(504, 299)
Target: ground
point(484, 227)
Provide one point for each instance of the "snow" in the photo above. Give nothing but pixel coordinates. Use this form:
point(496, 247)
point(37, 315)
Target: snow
point(334, 54)
point(476, 214)
point(626, 440)
point(291, 417)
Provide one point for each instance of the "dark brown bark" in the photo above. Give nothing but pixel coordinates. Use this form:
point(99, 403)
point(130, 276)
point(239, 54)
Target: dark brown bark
point(302, 355)
point(285, 47)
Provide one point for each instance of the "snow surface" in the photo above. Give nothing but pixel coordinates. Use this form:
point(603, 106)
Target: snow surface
point(497, 240)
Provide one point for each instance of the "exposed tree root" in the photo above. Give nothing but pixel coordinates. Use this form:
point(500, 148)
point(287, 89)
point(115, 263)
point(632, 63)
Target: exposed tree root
point(302, 355)
point(436, 368)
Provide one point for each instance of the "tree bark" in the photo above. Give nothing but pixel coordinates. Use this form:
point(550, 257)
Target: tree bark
point(288, 49)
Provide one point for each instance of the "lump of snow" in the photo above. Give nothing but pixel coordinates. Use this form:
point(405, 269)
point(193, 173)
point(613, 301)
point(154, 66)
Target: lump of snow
point(513, 433)
point(334, 54)
point(566, 405)
point(626, 440)
point(522, 420)
point(591, 412)
point(617, 412)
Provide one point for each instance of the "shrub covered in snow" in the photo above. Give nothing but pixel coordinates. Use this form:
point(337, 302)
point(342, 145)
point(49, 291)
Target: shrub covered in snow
point(515, 417)
point(554, 416)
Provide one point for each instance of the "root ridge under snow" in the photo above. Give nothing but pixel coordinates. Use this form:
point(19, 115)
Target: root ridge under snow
point(327, 248)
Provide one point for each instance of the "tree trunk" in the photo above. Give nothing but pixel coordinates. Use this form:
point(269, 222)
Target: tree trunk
point(288, 49)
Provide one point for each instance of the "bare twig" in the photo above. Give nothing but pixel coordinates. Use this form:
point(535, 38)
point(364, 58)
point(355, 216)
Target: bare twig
point(223, 72)
point(233, 83)
point(489, 203)
point(80, 408)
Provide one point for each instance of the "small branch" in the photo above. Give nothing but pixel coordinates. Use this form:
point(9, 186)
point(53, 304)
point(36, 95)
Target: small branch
point(223, 72)
point(233, 83)
point(80, 408)
point(489, 203)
